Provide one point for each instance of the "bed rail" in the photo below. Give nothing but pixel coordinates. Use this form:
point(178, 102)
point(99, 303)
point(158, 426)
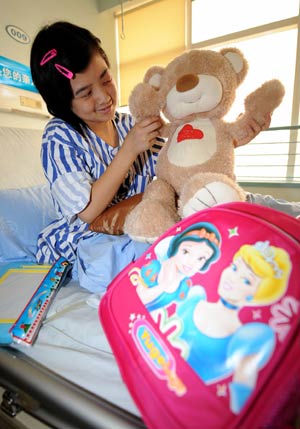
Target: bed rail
point(56, 401)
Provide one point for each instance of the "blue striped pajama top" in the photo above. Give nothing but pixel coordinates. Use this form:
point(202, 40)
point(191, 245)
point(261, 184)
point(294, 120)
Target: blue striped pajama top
point(71, 163)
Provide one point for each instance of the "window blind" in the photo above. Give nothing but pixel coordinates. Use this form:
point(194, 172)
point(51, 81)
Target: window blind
point(151, 34)
point(273, 156)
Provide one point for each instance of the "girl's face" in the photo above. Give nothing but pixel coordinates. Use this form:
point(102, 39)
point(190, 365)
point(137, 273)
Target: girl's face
point(191, 256)
point(238, 283)
point(95, 93)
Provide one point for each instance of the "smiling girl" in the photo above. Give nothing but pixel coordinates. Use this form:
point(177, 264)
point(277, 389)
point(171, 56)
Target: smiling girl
point(92, 156)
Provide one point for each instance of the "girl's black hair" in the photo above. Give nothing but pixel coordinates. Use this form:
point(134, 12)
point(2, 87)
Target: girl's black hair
point(75, 46)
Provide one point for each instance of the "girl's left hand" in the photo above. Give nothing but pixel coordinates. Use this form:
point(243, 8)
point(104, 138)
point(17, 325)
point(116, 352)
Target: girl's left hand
point(143, 135)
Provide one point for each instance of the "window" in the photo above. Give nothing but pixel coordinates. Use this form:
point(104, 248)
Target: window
point(215, 18)
point(270, 42)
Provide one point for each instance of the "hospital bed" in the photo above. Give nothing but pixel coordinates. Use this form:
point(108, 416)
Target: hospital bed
point(69, 377)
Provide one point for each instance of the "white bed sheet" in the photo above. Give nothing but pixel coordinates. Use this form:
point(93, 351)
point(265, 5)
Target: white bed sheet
point(72, 343)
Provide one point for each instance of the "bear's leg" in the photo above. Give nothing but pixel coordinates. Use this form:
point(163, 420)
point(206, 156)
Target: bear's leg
point(156, 213)
point(206, 190)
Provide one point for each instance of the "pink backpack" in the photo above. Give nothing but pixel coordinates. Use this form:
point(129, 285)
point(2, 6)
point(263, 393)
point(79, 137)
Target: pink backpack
point(205, 325)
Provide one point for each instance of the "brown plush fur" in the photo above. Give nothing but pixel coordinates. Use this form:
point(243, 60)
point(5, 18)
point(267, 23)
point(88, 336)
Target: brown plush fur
point(195, 168)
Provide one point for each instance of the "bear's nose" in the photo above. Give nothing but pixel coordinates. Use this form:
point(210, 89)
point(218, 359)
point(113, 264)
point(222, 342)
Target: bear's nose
point(187, 82)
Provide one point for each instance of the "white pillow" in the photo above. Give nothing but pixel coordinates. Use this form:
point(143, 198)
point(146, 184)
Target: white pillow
point(20, 162)
point(24, 213)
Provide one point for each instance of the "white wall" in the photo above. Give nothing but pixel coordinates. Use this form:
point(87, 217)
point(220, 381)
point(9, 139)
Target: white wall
point(30, 15)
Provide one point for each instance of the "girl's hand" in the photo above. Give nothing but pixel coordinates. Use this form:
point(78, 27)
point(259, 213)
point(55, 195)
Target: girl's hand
point(143, 135)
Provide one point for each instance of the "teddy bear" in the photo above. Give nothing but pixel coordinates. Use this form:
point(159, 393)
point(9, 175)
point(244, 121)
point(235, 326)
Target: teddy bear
point(195, 167)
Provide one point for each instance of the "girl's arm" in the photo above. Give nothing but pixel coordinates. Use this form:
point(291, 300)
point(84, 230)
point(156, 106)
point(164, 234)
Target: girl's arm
point(140, 138)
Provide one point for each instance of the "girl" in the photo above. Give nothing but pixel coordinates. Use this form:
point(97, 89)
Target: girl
point(92, 155)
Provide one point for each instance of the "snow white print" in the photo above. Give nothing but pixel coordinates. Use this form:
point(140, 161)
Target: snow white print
point(218, 344)
point(167, 279)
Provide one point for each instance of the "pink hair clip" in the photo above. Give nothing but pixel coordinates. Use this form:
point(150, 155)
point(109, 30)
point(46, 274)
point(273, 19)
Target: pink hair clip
point(48, 56)
point(64, 71)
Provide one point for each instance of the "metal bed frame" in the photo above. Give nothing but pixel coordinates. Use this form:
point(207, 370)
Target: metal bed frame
point(53, 400)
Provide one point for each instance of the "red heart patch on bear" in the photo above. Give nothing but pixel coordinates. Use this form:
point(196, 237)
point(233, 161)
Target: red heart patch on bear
point(188, 132)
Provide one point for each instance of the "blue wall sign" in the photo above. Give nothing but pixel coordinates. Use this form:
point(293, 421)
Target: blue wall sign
point(15, 74)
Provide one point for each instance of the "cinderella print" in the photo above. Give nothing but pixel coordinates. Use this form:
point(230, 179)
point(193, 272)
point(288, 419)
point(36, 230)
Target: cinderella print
point(218, 344)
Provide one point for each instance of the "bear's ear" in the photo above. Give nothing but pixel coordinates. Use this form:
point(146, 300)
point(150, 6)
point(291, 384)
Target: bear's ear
point(237, 61)
point(145, 98)
point(153, 76)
